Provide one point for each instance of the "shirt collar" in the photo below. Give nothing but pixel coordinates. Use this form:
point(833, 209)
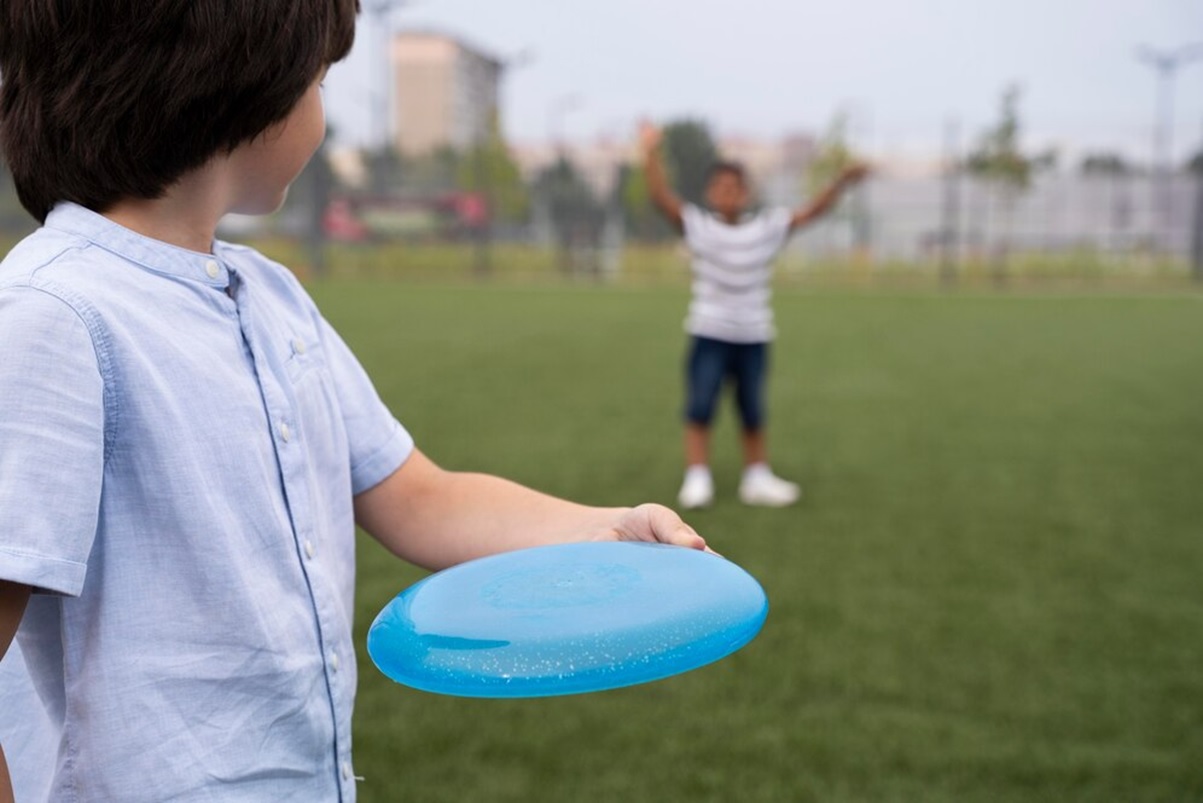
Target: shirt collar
point(153, 255)
point(744, 217)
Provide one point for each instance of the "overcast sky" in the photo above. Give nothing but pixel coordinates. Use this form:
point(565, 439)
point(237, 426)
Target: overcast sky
point(769, 67)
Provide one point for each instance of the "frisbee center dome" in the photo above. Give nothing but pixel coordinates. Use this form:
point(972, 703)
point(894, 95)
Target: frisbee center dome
point(561, 586)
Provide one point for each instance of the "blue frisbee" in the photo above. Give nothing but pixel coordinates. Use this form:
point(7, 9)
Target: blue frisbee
point(566, 619)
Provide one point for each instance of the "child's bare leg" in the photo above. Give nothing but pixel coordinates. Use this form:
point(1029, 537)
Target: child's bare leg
point(697, 444)
point(755, 450)
point(698, 488)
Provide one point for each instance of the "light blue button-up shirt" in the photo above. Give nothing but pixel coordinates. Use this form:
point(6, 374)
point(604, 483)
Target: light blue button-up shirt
point(181, 435)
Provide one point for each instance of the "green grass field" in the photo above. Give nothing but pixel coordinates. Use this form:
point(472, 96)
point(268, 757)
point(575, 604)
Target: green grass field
point(991, 592)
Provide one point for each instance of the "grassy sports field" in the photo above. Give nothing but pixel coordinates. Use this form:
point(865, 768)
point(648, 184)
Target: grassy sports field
point(991, 592)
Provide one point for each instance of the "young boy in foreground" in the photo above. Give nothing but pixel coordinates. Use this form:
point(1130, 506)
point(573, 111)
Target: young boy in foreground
point(730, 320)
point(185, 443)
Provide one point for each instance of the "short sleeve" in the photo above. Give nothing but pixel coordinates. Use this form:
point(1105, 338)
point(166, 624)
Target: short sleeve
point(379, 445)
point(52, 435)
point(779, 219)
point(692, 217)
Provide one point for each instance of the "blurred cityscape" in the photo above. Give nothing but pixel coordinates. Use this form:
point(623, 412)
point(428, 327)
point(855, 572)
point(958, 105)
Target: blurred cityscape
point(442, 172)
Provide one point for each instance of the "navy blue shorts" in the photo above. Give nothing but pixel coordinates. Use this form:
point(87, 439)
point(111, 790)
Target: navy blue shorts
point(709, 363)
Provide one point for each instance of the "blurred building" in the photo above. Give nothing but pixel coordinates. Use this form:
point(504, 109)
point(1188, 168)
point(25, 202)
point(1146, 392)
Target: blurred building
point(446, 92)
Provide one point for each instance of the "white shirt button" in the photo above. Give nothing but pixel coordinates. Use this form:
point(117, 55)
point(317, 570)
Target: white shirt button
point(285, 432)
point(212, 269)
point(346, 771)
point(309, 550)
point(298, 346)
point(334, 662)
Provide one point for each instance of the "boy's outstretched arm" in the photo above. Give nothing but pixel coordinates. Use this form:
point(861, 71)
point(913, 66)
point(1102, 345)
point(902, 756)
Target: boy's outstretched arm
point(13, 599)
point(436, 518)
point(825, 200)
point(650, 139)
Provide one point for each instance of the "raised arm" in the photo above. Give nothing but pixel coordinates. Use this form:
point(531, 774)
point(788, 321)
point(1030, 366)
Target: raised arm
point(13, 599)
point(650, 139)
point(436, 518)
point(822, 203)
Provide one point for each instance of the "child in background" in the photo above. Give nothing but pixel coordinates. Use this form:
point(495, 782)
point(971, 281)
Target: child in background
point(186, 445)
point(730, 318)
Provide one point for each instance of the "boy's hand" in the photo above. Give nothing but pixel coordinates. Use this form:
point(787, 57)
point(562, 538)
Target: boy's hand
point(825, 200)
point(650, 137)
point(651, 523)
point(853, 173)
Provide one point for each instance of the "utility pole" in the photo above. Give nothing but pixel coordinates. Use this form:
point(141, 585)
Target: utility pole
point(1196, 251)
point(380, 12)
point(485, 140)
point(557, 110)
point(1166, 64)
point(561, 220)
point(320, 183)
point(951, 209)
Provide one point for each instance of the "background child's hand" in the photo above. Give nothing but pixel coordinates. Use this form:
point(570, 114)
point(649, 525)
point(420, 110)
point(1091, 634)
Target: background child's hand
point(651, 523)
point(650, 136)
point(854, 172)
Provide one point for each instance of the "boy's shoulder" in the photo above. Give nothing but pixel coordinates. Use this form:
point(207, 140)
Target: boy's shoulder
point(52, 276)
point(37, 257)
point(89, 258)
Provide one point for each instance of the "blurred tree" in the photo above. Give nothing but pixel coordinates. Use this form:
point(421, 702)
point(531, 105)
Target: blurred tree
point(1001, 163)
point(490, 170)
point(689, 153)
point(436, 171)
point(635, 197)
point(1195, 166)
point(384, 169)
point(575, 214)
point(832, 156)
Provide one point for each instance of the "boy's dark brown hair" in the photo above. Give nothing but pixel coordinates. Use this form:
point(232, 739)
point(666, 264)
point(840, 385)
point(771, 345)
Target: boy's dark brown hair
point(102, 100)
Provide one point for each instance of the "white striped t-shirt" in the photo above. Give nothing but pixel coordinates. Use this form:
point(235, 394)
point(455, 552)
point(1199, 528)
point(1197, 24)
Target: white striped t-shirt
point(732, 267)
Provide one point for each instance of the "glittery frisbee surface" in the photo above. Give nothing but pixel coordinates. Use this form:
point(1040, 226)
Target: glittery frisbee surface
point(566, 619)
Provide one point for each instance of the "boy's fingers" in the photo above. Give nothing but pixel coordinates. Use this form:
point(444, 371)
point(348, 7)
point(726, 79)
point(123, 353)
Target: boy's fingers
point(667, 527)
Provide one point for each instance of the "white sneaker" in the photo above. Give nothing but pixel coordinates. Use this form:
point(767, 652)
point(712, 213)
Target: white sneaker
point(697, 490)
point(766, 489)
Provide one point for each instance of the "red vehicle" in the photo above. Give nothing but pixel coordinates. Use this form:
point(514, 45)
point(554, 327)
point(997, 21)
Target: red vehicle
point(449, 216)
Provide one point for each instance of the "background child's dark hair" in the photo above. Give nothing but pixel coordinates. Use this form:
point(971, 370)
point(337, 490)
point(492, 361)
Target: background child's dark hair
point(102, 100)
point(728, 167)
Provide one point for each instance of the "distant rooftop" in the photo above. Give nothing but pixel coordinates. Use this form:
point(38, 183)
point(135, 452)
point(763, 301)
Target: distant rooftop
point(453, 39)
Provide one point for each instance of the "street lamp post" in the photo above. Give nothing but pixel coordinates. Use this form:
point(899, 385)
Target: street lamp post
point(950, 211)
point(1196, 250)
point(480, 167)
point(1166, 64)
point(556, 112)
point(380, 11)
